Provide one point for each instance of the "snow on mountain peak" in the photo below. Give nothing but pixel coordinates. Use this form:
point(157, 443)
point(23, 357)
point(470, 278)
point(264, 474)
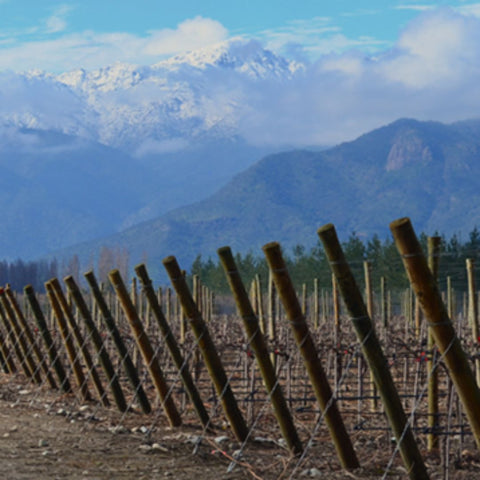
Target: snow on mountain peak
point(113, 77)
point(203, 92)
point(247, 57)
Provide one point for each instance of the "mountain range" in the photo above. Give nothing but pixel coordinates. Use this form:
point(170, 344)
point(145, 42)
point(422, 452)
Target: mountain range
point(425, 170)
point(161, 160)
point(86, 154)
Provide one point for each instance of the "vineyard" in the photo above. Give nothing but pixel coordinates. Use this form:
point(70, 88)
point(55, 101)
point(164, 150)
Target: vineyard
point(132, 380)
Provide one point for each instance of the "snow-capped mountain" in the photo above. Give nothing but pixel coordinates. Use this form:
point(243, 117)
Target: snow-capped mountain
point(248, 58)
point(152, 109)
point(175, 124)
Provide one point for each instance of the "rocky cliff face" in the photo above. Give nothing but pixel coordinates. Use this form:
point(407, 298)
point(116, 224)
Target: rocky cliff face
point(408, 148)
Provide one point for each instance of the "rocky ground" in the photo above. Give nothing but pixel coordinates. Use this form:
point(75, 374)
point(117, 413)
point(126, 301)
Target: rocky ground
point(43, 436)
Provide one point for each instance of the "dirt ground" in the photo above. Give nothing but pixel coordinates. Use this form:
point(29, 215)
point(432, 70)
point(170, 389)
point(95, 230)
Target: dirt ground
point(44, 436)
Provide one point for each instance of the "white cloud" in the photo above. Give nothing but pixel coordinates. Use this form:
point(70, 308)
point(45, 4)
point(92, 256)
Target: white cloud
point(189, 35)
point(57, 22)
point(41, 102)
point(315, 37)
point(471, 9)
point(432, 73)
point(437, 48)
point(92, 50)
point(416, 8)
point(361, 12)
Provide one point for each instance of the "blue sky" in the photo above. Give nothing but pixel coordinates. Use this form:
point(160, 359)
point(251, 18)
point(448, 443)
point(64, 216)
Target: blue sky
point(58, 36)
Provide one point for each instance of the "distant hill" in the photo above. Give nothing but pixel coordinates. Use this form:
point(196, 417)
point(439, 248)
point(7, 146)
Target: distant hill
point(84, 154)
point(57, 189)
point(425, 170)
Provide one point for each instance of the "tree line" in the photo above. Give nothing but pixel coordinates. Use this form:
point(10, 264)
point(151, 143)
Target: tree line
point(305, 265)
point(19, 273)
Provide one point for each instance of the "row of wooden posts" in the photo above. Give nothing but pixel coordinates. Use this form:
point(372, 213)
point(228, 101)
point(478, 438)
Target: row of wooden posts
point(422, 277)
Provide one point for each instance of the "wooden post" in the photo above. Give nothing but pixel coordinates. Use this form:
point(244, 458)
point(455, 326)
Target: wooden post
point(97, 341)
point(134, 293)
point(259, 296)
point(68, 342)
point(8, 364)
point(172, 346)
point(337, 334)
point(14, 344)
point(195, 282)
point(450, 300)
point(82, 344)
point(304, 300)
point(146, 349)
point(208, 350)
point(27, 332)
point(384, 302)
point(373, 353)
point(47, 339)
point(473, 313)
point(183, 326)
point(316, 304)
point(418, 318)
point(443, 331)
point(20, 341)
point(433, 246)
point(304, 341)
point(125, 358)
point(272, 317)
point(257, 343)
point(367, 268)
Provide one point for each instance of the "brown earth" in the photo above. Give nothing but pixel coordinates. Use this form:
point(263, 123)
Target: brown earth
point(44, 436)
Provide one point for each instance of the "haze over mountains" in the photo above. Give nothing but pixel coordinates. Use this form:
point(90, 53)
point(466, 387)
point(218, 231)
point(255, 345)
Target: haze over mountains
point(123, 143)
point(84, 155)
point(426, 170)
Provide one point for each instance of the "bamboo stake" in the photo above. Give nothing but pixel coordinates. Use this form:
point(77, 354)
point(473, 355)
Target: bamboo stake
point(207, 349)
point(125, 358)
point(321, 387)
point(47, 339)
point(443, 331)
point(373, 353)
point(97, 341)
point(146, 349)
point(259, 346)
point(172, 346)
